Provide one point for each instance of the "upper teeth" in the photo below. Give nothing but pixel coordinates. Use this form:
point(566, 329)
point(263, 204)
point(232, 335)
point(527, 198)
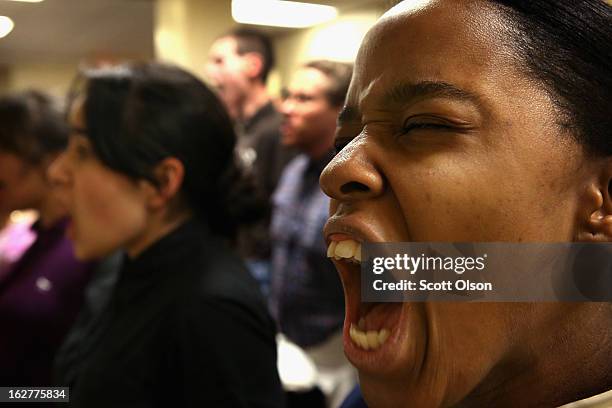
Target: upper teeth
point(347, 249)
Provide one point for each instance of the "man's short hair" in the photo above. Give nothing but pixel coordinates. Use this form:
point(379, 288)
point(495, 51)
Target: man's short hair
point(249, 40)
point(339, 73)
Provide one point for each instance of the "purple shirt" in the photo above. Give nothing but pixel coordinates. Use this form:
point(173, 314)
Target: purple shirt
point(40, 296)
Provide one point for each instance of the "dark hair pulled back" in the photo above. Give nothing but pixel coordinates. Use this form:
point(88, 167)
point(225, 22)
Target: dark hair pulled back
point(567, 46)
point(137, 115)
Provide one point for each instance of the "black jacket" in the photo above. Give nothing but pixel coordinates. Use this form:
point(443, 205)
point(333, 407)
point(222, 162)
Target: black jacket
point(185, 327)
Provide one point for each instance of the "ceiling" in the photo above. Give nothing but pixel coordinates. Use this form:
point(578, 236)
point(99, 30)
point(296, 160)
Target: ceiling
point(65, 30)
point(60, 30)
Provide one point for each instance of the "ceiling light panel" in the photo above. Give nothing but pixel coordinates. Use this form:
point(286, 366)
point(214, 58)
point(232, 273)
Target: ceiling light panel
point(278, 13)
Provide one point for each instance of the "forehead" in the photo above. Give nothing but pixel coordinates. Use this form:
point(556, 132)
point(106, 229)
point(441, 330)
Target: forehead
point(224, 46)
point(309, 80)
point(459, 42)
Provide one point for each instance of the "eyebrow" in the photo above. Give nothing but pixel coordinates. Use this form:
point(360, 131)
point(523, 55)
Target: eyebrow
point(405, 92)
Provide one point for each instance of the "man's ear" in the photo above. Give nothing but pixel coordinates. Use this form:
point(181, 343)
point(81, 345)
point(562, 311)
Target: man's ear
point(169, 174)
point(596, 225)
point(253, 64)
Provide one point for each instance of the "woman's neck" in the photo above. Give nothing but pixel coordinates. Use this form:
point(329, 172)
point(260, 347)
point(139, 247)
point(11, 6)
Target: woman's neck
point(157, 228)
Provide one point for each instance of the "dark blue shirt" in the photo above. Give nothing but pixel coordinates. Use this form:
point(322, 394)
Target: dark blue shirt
point(306, 297)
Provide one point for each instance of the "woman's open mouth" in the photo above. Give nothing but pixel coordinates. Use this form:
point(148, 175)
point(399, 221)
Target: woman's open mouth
point(370, 328)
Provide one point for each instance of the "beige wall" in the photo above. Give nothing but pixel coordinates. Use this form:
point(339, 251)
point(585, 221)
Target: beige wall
point(337, 40)
point(4, 79)
point(53, 78)
point(185, 30)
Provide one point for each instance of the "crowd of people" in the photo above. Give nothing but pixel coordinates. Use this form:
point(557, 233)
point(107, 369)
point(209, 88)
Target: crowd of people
point(164, 241)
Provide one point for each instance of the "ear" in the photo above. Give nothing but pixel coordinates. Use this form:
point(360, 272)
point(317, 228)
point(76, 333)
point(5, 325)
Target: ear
point(596, 225)
point(253, 64)
point(170, 174)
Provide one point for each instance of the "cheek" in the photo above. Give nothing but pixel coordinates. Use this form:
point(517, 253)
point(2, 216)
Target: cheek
point(468, 200)
point(106, 216)
point(317, 122)
point(470, 338)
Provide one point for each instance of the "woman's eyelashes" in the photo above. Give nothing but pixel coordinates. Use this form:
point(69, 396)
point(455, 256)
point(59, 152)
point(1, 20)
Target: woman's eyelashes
point(424, 126)
point(80, 150)
point(340, 142)
point(412, 127)
point(407, 128)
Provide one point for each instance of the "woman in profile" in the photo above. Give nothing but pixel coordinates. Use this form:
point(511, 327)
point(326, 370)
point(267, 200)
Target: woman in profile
point(41, 282)
point(149, 169)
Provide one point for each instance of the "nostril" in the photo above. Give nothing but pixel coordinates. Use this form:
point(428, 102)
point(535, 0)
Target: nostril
point(353, 187)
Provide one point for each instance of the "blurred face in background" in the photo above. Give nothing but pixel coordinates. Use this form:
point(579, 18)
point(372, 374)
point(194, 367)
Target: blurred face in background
point(228, 71)
point(108, 210)
point(309, 118)
point(23, 184)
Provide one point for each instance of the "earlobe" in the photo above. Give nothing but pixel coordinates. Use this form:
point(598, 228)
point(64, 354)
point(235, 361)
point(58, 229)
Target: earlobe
point(597, 221)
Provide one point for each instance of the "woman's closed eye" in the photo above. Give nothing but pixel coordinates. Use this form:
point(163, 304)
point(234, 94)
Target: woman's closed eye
point(414, 126)
point(434, 124)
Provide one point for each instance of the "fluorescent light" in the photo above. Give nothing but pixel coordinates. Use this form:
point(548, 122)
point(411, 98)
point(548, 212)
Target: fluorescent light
point(27, 1)
point(279, 13)
point(6, 26)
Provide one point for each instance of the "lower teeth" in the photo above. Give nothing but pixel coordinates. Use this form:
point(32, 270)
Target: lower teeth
point(370, 340)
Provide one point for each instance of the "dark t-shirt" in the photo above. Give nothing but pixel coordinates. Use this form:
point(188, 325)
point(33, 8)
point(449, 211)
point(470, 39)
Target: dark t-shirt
point(262, 153)
point(185, 327)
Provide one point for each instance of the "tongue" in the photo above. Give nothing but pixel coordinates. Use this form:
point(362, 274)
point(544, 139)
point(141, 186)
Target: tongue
point(379, 316)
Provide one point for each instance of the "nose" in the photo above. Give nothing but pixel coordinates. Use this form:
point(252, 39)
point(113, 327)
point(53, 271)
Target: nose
point(287, 106)
point(352, 174)
point(58, 171)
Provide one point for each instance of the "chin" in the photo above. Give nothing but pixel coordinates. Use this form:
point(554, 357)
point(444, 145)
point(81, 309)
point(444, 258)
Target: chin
point(84, 252)
point(81, 253)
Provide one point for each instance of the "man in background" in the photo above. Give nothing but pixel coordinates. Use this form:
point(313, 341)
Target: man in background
point(238, 67)
point(306, 296)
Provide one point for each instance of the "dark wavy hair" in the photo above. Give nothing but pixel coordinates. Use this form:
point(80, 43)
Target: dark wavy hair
point(137, 115)
point(567, 46)
point(31, 126)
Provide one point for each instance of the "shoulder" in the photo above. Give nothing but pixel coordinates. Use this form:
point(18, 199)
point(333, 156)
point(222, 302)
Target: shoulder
point(222, 288)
